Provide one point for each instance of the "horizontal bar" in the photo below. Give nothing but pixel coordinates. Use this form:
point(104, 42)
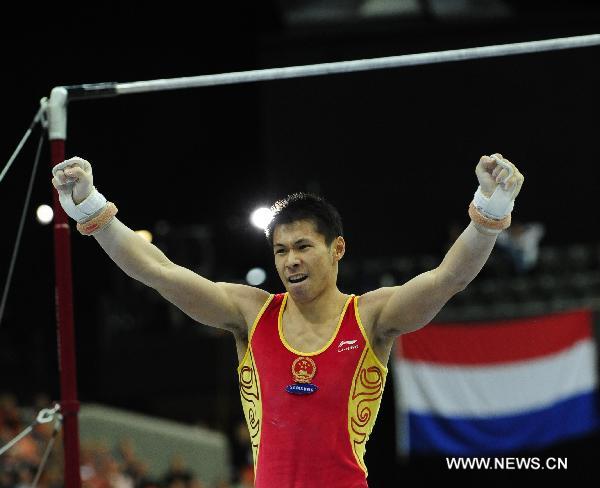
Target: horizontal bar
point(271, 74)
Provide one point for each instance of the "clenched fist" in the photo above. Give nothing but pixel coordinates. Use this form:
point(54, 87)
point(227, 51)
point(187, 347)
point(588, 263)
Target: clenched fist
point(494, 171)
point(74, 176)
point(75, 184)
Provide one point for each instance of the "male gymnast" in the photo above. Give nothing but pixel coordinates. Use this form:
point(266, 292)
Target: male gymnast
point(311, 360)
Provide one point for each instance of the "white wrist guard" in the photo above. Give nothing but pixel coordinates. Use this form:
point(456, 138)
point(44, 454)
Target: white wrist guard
point(86, 209)
point(496, 207)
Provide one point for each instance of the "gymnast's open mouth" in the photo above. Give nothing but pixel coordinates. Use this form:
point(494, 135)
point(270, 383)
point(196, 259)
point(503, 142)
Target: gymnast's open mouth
point(297, 278)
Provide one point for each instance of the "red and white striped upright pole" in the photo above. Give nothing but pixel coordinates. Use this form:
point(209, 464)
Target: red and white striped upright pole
point(57, 134)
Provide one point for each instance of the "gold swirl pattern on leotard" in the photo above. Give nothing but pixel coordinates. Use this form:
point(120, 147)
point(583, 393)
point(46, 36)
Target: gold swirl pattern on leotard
point(363, 403)
point(251, 401)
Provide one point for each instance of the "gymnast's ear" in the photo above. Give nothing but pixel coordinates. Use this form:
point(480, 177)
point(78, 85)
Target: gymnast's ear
point(338, 248)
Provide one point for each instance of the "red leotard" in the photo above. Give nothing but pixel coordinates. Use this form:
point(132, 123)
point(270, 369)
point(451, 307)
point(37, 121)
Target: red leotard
point(318, 439)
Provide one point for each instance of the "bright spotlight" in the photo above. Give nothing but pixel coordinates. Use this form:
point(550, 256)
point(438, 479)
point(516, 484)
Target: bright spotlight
point(261, 217)
point(44, 214)
point(256, 276)
point(145, 234)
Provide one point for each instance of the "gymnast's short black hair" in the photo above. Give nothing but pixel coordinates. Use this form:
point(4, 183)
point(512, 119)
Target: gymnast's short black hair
point(306, 206)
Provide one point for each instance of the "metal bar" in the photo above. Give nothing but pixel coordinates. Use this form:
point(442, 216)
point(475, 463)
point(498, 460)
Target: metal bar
point(353, 66)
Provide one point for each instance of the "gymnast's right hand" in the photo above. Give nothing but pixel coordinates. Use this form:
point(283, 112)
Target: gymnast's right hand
point(74, 177)
point(75, 184)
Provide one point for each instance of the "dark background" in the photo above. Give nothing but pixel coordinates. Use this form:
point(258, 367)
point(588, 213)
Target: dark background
point(394, 150)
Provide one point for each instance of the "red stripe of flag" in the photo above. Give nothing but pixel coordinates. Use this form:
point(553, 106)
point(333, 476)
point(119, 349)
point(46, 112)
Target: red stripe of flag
point(496, 342)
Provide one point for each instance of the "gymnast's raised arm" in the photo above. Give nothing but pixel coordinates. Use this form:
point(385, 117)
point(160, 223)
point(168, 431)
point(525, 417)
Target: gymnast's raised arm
point(225, 305)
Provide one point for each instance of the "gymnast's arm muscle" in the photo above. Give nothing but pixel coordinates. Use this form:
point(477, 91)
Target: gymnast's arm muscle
point(224, 305)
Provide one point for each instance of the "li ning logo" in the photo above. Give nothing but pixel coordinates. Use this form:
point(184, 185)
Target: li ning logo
point(347, 345)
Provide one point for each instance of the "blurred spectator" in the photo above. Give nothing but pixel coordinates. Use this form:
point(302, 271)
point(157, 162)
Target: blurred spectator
point(246, 478)
point(135, 468)
point(521, 243)
point(25, 476)
point(178, 475)
point(100, 468)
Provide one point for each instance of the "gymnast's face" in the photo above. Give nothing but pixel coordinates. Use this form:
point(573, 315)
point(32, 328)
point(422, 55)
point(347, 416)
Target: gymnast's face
point(306, 265)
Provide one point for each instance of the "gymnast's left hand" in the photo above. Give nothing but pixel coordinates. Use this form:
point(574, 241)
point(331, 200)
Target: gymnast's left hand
point(492, 175)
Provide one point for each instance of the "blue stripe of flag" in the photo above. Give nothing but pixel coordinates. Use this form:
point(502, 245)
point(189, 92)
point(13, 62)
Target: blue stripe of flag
point(462, 436)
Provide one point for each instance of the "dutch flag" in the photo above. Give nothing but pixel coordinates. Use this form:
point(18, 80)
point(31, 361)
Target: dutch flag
point(498, 387)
